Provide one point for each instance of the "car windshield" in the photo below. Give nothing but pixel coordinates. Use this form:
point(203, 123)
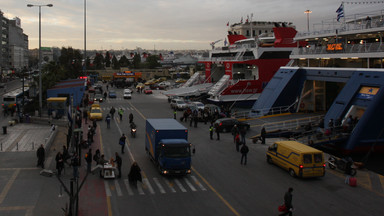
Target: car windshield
point(177, 151)
point(98, 96)
point(180, 102)
point(95, 111)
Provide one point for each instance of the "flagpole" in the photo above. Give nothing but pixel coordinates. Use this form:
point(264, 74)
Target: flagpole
point(251, 25)
point(345, 26)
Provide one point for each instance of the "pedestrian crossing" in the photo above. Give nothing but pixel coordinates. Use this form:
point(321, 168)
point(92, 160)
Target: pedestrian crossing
point(125, 108)
point(122, 187)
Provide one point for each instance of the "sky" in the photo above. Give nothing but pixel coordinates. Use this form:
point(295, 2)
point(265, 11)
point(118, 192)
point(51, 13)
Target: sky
point(159, 24)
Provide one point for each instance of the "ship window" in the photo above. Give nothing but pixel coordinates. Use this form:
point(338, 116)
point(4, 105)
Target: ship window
point(247, 32)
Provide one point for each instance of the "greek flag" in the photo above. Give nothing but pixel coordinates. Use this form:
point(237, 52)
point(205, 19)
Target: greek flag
point(340, 12)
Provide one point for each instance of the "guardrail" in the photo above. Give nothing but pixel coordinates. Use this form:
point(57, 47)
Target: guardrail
point(291, 124)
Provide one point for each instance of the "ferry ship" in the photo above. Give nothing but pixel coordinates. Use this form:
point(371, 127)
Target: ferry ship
point(340, 74)
point(241, 70)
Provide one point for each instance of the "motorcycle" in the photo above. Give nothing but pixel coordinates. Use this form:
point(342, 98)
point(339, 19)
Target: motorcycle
point(342, 164)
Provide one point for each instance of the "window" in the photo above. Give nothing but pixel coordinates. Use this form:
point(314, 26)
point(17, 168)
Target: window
point(318, 158)
point(177, 151)
point(307, 158)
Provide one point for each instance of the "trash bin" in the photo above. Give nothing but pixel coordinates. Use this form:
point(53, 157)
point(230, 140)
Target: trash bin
point(4, 129)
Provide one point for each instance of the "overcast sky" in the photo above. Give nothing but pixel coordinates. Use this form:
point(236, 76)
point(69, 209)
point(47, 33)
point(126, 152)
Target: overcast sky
point(160, 24)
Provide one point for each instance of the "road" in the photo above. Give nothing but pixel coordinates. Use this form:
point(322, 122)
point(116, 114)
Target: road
point(218, 185)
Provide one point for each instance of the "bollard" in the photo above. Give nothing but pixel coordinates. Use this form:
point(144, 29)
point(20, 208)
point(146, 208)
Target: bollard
point(61, 191)
point(17, 146)
point(1, 147)
point(33, 145)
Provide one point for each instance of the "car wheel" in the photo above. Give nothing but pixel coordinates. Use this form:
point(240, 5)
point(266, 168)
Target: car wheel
point(269, 160)
point(292, 173)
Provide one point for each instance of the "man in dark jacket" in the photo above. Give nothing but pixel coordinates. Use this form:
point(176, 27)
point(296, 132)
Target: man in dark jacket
point(134, 174)
point(244, 151)
point(88, 159)
point(40, 156)
point(288, 202)
point(119, 162)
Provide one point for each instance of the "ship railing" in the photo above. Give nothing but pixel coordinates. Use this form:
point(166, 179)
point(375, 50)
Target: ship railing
point(348, 48)
point(292, 124)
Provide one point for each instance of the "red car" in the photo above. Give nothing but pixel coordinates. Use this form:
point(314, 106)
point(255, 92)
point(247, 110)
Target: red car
point(147, 91)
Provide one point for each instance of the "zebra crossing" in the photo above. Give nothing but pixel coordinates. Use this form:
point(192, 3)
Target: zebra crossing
point(122, 187)
point(125, 108)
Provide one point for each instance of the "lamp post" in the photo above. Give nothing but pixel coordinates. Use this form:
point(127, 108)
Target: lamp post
point(85, 38)
point(308, 12)
point(40, 91)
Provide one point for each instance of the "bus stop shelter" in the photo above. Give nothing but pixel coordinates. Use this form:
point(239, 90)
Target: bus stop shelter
point(57, 107)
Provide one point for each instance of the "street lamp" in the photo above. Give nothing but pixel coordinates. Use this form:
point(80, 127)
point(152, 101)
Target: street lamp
point(308, 12)
point(40, 91)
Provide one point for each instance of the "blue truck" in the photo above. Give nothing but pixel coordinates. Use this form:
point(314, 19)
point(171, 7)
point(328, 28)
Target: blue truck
point(166, 143)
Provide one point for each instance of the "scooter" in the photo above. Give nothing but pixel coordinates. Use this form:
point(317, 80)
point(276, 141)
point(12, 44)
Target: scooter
point(133, 132)
point(342, 164)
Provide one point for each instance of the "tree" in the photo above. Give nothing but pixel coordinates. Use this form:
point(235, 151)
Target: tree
point(115, 63)
point(136, 61)
point(124, 62)
point(98, 61)
point(107, 60)
point(71, 61)
point(153, 61)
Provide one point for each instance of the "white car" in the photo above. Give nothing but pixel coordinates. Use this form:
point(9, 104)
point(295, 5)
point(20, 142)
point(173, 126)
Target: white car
point(127, 94)
point(178, 104)
point(164, 84)
point(198, 105)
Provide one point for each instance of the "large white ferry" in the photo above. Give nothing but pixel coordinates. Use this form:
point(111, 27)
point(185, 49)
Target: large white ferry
point(241, 70)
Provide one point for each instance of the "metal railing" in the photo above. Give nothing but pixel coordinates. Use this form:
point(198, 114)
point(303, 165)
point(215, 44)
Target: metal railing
point(291, 124)
point(347, 48)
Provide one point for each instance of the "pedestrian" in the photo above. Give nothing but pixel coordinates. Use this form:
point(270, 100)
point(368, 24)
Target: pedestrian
point(244, 151)
point(217, 129)
point(94, 125)
point(122, 142)
point(108, 120)
point(211, 132)
point(119, 162)
point(237, 142)
point(288, 202)
point(191, 118)
point(174, 113)
point(40, 156)
point(75, 165)
point(59, 163)
point(85, 116)
point(243, 131)
point(121, 112)
point(134, 174)
point(88, 159)
point(96, 157)
point(263, 134)
point(112, 112)
point(130, 118)
point(65, 154)
point(235, 131)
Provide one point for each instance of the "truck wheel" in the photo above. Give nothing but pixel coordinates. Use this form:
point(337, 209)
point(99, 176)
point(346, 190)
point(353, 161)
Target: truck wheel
point(269, 160)
point(292, 173)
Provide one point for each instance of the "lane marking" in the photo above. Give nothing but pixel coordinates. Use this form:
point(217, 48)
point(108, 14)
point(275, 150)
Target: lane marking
point(118, 189)
point(178, 183)
point(157, 182)
point(198, 183)
point(170, 185)
point(107, 189)
point(140, 188)
point(146, 182)
point(109, 206)
point(189, 184)
point(217, 193)
point(129, 189)
point(9, 185)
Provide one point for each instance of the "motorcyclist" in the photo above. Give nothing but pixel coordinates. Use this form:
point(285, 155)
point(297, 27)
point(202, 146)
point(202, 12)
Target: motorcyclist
point(105, 95)
point(133, 125)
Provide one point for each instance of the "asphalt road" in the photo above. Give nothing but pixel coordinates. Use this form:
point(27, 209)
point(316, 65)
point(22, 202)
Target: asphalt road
point(218, 185)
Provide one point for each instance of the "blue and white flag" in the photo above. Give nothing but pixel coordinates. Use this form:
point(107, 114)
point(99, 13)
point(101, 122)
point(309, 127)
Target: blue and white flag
point(225, 42)
point(340, 12)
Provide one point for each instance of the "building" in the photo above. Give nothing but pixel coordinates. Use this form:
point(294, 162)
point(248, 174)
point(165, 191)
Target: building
point(4, 43)
point(256, 27)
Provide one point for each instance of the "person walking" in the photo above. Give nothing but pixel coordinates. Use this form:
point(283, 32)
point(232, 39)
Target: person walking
point(130, 118)
point(112, 112)
point(88, 159)
point(235, 131)
point(96, 157)
point(211, 131)
point(40, 156)
point(108, 120)
point(134, 174)
point(244, 151)
point(119, 162)
point(263, 134)
point(288, 202)
point(174, 113)
point(122, 142)
point(59, 163)
point(121, 112)
point(85, 116)
point(243, 131)
point(237, 142)
point(217, 129)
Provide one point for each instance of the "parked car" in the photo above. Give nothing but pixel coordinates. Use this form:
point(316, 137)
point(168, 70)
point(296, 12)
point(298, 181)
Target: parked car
point(112, 94)
point(226, 124)
point(164, 84)
point(198, 105)
point(173, 97)
point(98, 97)
point(178, 104)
